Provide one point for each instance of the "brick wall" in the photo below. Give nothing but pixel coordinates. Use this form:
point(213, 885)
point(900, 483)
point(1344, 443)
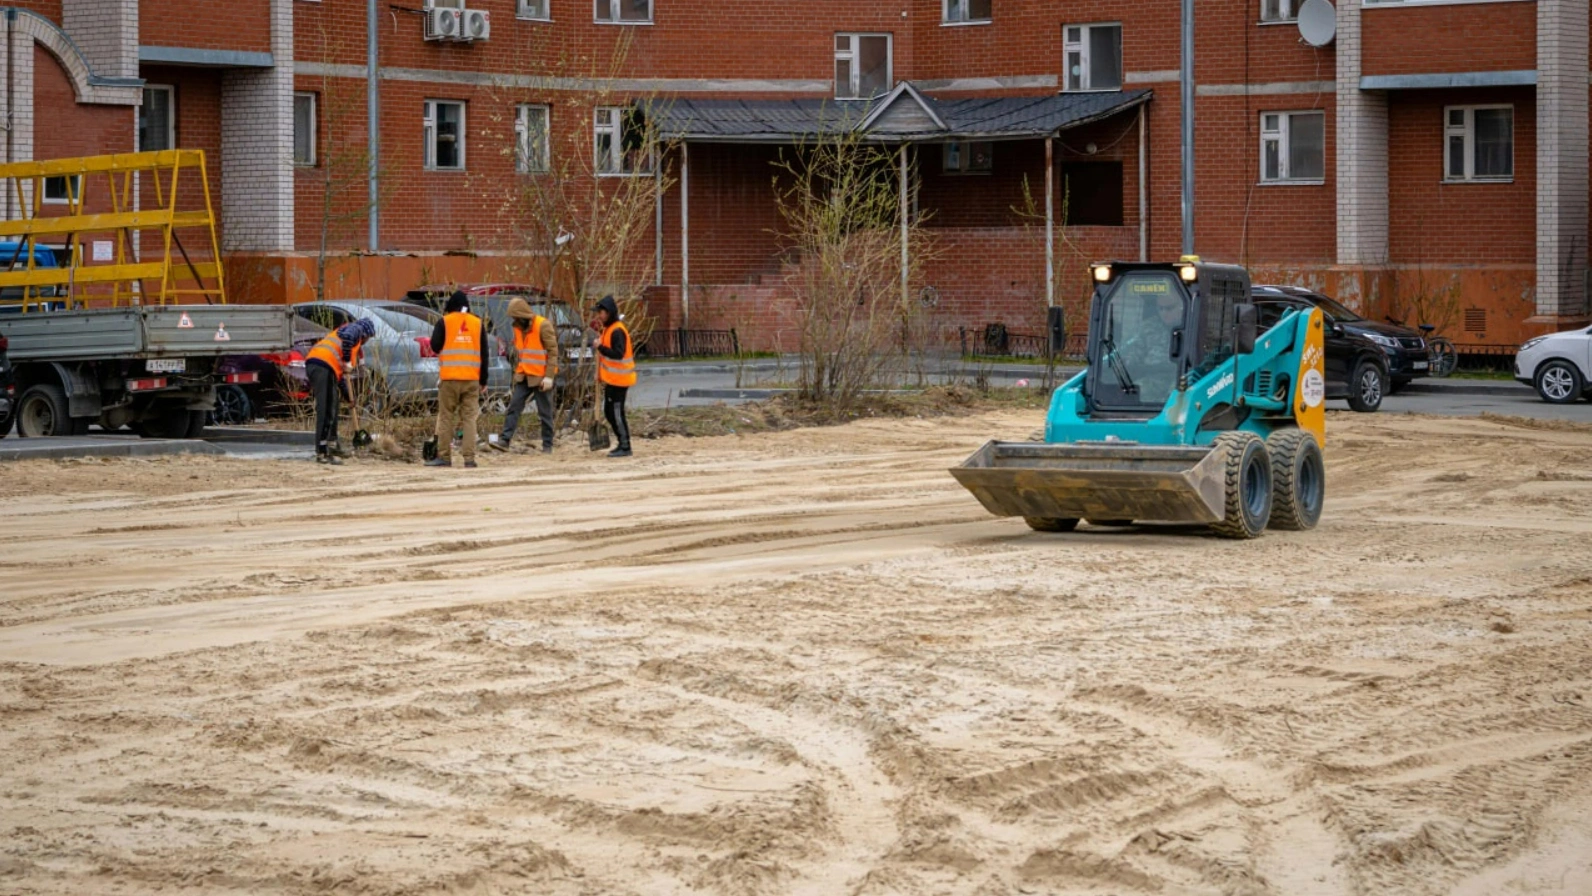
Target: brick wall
point(1433, 222)
point(239, 25)
point(1474, 37)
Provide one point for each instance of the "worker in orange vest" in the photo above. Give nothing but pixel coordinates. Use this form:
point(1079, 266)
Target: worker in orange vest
point(327, 366)
point(616, 370)
point(460, 343)
point(536, 347)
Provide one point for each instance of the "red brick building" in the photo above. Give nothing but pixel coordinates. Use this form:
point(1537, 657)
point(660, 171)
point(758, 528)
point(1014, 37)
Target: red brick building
point(1430, 160)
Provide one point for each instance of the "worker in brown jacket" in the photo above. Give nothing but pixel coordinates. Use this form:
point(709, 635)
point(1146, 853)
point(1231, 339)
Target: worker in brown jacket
point(536, 344)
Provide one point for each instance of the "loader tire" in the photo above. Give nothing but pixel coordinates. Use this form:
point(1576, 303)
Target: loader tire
point(1051, 523)
point(1248, 485)
point(1298, 479)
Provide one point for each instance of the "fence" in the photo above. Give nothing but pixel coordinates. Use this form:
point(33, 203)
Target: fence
point(995, 340)
point(688, 343)
point(1477, 356)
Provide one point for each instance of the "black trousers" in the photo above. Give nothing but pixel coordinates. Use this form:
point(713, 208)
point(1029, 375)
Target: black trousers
point(544, 411)
point(614, 412)
point(323, 387)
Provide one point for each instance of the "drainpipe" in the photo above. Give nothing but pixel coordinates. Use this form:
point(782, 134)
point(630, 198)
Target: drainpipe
point(373, 115)
point(11, 107)
point(905, 286)
point(1144, 194)
point(685, 235)
point(1186, 85)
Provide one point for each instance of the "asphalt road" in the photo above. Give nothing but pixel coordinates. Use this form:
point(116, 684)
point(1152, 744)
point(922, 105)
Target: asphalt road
point(689, 383)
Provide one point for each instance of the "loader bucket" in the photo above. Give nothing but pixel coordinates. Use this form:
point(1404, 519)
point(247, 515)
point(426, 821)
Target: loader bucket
point(1097, 480)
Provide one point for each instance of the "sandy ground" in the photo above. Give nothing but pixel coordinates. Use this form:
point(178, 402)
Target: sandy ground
point(803, 663)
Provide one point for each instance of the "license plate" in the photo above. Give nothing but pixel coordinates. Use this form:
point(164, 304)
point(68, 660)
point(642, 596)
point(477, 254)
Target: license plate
point(579, 354)
point(166, 365)
point(1420, 365)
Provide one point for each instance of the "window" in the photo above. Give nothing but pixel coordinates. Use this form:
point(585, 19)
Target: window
point(1293, 147)
point(1094, 57)
point(621, 141)
point(958, 11)
point(157, 119)
point(624, 12)
point(63, 189)
point(534, 9)
point(862, 66)
point(304, 129)
point(964, 157)
point(1479, 143)
point(1279, 10)
point(1091, 194)
point(444, 129)
point(530, 139)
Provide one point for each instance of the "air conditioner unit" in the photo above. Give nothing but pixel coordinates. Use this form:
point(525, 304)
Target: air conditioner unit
point(444, 23)
point(477, 25)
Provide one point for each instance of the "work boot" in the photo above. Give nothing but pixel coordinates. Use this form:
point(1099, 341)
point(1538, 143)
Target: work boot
point(336, 450)
point(619, 452)
point(547, 448)
point(331, 460)
point(470, 464)
point(439, 462)
point(500, 445)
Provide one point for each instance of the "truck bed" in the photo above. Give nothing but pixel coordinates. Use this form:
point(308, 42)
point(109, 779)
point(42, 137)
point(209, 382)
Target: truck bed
point(150, 331)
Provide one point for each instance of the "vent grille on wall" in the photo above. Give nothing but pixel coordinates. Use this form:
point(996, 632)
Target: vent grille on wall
point(1475, 320)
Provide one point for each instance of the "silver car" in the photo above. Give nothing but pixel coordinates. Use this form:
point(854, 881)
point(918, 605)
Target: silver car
point(399, 357)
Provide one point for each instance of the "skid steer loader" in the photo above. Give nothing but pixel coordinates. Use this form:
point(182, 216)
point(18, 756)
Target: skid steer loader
point(1184, 414)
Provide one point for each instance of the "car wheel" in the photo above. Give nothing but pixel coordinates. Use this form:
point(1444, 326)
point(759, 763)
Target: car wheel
point(1050, 523)
point(232, 406)
point(169, 422)
point(43, 411)
point(1247, 474)
point(5, 424)
point(1558, 382)
point(1298, 479)
point(1366, 387)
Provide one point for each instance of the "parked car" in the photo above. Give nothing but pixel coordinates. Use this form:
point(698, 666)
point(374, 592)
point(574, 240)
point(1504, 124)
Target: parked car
point(399, 361)
point(1406, 351)
point(1356, 366)
point(281, 380)
point(8, 389)
point(14, 258)
point(1558, 366)
point(491, 301)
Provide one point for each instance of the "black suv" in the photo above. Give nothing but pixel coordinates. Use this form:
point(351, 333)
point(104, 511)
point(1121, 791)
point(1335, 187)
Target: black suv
point(1357, 365)
point(8, 389)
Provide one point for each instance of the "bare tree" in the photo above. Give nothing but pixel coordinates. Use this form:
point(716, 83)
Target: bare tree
point(839, 200)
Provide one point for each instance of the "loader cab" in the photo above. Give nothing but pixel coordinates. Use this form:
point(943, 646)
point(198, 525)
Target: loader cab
point(1154, 328)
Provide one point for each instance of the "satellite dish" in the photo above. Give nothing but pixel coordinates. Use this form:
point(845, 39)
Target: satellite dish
point(1318, 22)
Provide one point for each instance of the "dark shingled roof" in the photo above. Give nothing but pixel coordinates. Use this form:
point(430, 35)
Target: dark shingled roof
point(786, 121)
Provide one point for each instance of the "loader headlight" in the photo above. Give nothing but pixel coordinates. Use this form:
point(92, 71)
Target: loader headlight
point(1189, 273)
point(1102, 273)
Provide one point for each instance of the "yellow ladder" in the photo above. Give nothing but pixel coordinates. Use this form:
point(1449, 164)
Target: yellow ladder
point(124, 277)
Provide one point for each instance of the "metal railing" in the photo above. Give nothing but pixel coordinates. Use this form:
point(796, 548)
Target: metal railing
point(688, 343)
point(1485, 356)
point(994, 340)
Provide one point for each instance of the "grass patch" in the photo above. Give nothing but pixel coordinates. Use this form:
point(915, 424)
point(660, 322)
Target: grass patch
point(784, 412)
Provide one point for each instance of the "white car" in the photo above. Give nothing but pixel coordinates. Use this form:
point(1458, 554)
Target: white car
point(1558, 366)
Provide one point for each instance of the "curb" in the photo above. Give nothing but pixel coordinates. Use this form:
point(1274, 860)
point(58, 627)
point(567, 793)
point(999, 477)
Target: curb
point(58, 449)
point(1464, 387)
point(259, 436)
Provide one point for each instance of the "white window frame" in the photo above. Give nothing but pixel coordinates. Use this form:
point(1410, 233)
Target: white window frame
point(1081, 47)
point(1286, 11)
point(524, 162)
point(955, 12)
point(615, 13)
point(610, 121)
point(74, 189)
point(1280, 136)
point(956, 157)
point(527, 9)
point(171, 114)
point(429, 127)
point(1467, 131)
point(854, 88)
point(315, 102)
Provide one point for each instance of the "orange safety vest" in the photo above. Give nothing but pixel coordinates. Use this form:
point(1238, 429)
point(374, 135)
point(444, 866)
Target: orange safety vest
point(617, 371)
point(329, 351)
point(460, 358)
point(533, 355)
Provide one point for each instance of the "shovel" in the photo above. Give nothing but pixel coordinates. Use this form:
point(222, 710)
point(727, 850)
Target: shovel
point(362, 437)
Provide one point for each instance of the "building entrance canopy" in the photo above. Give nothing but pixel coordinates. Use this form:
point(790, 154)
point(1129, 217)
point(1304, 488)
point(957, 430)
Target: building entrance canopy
point(905, 115)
